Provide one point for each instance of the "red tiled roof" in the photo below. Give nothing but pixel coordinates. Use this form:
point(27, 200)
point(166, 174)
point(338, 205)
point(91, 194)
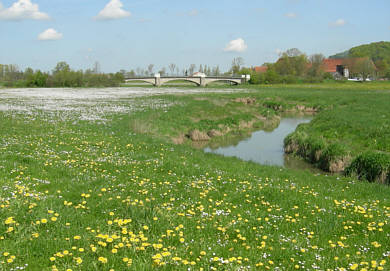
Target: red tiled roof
point(261, 69)
point(330, 65)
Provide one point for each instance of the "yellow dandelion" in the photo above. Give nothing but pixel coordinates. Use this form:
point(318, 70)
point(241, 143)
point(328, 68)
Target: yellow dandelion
point(102, 259)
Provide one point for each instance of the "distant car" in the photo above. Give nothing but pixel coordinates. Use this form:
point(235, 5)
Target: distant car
point(359, 79)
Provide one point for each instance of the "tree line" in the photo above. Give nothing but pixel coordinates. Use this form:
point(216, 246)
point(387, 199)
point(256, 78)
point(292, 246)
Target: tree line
point(293, 66)
point(173, 70)
point(61, 76)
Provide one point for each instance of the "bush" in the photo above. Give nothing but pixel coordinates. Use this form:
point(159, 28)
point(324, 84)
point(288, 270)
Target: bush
point(371, 166)
point(328, 76)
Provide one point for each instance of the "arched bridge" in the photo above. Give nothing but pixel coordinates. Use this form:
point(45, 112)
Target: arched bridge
point(198, 80)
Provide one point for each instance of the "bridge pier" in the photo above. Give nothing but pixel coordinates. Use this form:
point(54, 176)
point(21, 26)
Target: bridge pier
point(157, 80)
point(202, 81)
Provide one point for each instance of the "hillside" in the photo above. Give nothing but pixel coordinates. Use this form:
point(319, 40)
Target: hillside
point(379, 52)
point(376, 51)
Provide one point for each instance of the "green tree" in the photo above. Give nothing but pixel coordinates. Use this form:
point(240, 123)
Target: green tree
point(361, 67)
point(316, 69)
point(271, 76)
point(295, 65)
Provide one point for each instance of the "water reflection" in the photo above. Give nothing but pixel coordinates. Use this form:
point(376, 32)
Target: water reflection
point(266, 147)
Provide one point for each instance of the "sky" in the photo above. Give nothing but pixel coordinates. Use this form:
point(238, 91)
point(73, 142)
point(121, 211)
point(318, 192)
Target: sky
point(126, 34)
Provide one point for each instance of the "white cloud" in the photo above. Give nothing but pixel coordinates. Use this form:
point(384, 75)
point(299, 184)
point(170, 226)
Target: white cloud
point(339, 22)
point(237, 45)
point(291, 15)
point(113, 10)
point(22, 10)
point(50, 34)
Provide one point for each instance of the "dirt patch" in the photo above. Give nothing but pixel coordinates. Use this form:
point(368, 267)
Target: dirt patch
point(196, 135)
point(292, 147)
point(338, 165)
point(384, 177)
point(246, 124)
point(308, 109)
point(317, 155)
point(214, 133)
point(248, 101)
point(179, 139)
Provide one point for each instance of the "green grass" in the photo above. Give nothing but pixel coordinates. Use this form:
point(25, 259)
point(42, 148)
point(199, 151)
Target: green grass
point(352, 118)
point(74, 192)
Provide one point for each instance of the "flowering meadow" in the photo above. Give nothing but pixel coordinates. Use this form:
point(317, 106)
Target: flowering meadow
point(88, 193)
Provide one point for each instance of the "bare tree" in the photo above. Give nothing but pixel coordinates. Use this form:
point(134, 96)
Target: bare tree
point(150, 69)
point(172, 68)
point(191, 69)
point(162, 71)
point(96, 68)
point(216, 71)
point(237, 64)
point(293, 52)
point(139, 71)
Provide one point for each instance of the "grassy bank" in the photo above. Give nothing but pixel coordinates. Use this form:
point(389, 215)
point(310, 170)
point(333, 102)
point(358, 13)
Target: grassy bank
point(100, 195)
point(351, 124)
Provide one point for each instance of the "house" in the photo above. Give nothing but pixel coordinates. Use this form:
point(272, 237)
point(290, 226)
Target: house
point(337, 67)
point(260, 69)
point(199, 74)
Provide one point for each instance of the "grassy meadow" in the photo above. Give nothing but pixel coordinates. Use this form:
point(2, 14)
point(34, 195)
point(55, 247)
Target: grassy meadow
point(87, 188)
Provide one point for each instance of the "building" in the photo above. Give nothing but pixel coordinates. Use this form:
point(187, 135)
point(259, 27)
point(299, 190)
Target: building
point(199, 74)
point(260, 69)
point(336, 67)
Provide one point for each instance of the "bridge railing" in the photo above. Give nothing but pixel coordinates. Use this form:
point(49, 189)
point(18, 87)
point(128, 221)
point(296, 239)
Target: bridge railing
point(184, 77)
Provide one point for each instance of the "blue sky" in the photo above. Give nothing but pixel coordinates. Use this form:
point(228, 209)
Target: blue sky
point(126, 34)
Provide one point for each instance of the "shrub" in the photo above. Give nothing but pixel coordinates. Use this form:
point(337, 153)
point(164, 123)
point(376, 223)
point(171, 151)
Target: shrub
point(371, 166)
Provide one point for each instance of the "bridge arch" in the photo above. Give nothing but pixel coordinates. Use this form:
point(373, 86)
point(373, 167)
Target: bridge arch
point(192, 80)
point(234, 81)
point(145, 80)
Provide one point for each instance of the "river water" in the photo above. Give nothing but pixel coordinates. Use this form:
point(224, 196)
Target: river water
point(266, 147)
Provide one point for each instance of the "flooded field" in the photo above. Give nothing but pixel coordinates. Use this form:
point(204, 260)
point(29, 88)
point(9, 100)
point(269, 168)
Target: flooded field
point(89, 103)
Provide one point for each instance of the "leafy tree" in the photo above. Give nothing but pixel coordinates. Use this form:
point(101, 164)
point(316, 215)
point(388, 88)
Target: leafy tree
point(361, 67)
point(292, 62)
point(316, 69)
point(271, 76)
point(375, 51)
point(40, 79)
point(383, 67)
point(61, 67)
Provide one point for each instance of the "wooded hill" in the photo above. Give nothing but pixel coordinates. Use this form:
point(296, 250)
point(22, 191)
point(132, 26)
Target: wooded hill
point(379, 52)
